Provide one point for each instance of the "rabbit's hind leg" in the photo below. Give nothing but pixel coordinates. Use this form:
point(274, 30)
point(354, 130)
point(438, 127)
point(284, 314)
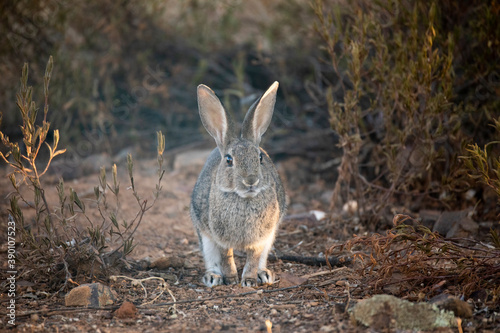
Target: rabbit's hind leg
point(219, 264)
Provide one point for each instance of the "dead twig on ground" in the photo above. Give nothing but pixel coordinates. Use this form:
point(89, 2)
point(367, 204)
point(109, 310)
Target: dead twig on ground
point(60, 310)
point(423, 259)
point(312, 261)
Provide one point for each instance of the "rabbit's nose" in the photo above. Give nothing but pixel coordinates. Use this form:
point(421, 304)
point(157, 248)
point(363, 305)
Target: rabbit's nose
point(251, 181)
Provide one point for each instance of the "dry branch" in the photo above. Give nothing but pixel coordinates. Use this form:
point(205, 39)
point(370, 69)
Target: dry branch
point(312, 261)
point(425, 262)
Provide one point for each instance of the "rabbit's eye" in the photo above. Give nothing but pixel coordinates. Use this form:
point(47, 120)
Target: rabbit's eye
point(260, 157)
point(229, 160)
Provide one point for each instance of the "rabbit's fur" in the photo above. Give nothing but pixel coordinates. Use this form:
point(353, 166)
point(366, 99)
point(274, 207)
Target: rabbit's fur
point(238, 200)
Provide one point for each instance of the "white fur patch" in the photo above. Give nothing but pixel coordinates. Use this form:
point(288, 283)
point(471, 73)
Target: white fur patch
point(211, 254)
point(265, 252)
point(245, 194)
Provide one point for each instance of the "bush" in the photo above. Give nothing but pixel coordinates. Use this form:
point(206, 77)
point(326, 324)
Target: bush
point(395, 100)
point(130, 68)
point(66, 243)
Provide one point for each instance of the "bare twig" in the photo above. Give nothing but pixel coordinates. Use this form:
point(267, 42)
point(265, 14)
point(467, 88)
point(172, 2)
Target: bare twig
point(307, 276)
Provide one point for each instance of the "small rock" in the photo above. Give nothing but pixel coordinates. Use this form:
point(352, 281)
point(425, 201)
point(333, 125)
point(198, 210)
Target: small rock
point(456, 224)
point(143, 264)
point(460, 308)
point(167, 262)
point(318, 214)
point(382, 312)
point(464, 228)
point(126, 310)
point(93, 295)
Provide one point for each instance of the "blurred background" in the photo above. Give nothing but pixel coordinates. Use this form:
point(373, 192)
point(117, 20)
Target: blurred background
point(378, 100)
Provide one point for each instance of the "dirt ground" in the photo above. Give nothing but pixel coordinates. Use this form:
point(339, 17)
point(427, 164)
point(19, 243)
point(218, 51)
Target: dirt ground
point(319, 304)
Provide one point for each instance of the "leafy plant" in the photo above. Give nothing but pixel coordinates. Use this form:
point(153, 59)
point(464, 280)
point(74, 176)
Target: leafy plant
point(390, 102)
point(24, 164)
point(68, 241)
point(483, 165)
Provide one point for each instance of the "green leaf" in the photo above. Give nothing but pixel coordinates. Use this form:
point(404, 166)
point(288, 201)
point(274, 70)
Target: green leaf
point(12, 178)
point(76, 200)
point(97, 192)
point(60, 191)
point(48, 74)
point(495, 238)
point(130, 168)
point(113, 219)
point(102, 178)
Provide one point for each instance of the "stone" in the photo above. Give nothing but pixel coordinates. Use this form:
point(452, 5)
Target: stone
point(382, 312)
point(456, 224)
point(91, 295)
point(460, 308)
point(126, 310)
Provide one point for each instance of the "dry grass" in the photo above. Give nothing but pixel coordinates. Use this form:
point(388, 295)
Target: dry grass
point(411, 261)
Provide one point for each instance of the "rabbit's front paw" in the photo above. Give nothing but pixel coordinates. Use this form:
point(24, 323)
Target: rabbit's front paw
point(265, 276)
point(248, 282)
point(231, 279)
point(211, 279)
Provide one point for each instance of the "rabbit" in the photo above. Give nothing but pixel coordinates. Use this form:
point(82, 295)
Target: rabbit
point(238, 200)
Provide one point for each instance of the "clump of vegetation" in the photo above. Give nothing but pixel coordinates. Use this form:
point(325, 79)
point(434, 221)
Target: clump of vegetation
point(394, 101)
point(394, 117)
point(483, 164)
point(419, 263)
point(61, 244)
point(130, 68)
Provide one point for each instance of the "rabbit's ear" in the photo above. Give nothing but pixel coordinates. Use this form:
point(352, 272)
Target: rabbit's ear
point(259, 116)
point(213, 116)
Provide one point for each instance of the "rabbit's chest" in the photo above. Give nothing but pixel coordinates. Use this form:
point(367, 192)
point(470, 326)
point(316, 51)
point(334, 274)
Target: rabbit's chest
point(242, 222)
